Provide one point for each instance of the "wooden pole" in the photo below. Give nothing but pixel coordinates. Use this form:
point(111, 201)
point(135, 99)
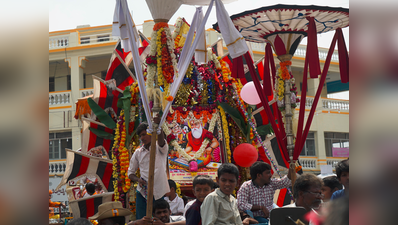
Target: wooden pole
point(151, 174)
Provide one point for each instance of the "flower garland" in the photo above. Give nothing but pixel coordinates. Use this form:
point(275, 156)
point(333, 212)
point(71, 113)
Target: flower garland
point(209, 136)
point(226, 133)
point(279, 91)
point(120, 159)
point(120, 153)
point(226, 72)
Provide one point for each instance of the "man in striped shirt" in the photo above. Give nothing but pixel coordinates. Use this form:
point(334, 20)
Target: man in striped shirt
point(256, 195)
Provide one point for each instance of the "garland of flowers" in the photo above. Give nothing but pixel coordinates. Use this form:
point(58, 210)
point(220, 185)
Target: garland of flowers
point(226, 133)
point(226, 72)
point(283, 75)
point(171, 138)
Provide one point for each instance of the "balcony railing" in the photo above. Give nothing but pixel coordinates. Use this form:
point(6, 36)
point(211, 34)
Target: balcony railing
point(328, 104)
point(61, 41)
point(56, 167)
point(333, 161)
point(301, 51)
point(85, 92)
point(59, 98)
point(308, 163)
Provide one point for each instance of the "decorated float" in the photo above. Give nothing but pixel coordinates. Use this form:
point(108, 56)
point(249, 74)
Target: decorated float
point(209, 107)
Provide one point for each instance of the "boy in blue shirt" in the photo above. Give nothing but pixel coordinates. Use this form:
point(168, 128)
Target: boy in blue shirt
point(343, 174)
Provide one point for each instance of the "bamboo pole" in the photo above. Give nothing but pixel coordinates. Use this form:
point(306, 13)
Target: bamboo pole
point(151, 174)
point(289, 120)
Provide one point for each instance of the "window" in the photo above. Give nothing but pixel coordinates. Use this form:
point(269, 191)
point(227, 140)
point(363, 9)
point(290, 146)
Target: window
point(85, 40)
point(52, 85)
point(335, 140)
point(58, 142)
point(309, 146)
point(103, 38)
point(68, 82)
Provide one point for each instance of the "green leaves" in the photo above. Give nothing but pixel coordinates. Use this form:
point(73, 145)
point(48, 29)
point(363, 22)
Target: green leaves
point(101, 114)
point(125, 103)
point(236, 116)
point(101, 133)
point(265, 129)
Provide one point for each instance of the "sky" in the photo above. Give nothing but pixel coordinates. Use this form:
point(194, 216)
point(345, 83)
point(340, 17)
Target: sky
point(65, 15)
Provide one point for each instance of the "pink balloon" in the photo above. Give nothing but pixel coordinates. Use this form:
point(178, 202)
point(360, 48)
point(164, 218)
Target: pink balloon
point(249, 94)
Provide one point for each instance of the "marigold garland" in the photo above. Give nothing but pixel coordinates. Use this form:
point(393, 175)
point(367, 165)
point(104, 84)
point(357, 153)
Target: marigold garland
point(226, 132)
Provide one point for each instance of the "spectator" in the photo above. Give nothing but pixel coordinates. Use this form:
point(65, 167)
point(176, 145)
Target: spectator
point(343, 174)
point(202, 186)
point(219, 207)
point(111, 213)
point(257, 194)
point(140, 160)
point(307, 192)
point(330, 185)
point(176, 203)
point(90, 190)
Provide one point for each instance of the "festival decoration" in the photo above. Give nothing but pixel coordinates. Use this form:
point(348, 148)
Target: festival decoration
point(245, 155)
point(249, 94)
point(283, 27)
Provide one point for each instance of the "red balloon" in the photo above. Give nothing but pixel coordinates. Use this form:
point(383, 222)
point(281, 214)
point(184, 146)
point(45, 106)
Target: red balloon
point(245, 155)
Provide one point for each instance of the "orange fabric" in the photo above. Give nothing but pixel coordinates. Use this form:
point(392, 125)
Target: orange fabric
point(82, 108)
point(54, 204)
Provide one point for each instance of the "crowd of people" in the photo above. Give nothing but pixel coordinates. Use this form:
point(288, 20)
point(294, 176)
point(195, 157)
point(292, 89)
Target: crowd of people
point(215, 203)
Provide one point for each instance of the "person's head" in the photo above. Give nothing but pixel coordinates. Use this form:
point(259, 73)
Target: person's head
point(196, 128)
point(173, 188)
point(307, 191)
point(202, 186)
point(338, 212)
point(343, 173)
point(330, 185)
point(118, 220)
point(79, 221)
point(161, 210)
point(261, 172)
point(111, 213)
point(142, 134)
point(50, 193)
point(227, 177)
point(90, 188)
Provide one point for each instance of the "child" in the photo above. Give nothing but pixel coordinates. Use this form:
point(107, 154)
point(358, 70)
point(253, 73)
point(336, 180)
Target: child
point(176, 203)
point(219, 207)
point(202, 186)
point(343, 174)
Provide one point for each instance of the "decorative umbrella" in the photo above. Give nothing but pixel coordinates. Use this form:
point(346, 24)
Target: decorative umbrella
point(283, 27)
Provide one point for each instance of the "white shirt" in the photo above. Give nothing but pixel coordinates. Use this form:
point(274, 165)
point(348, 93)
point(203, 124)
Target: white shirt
point(140, 159)
point(176, 218)
point(188, 205)
point(177, 205)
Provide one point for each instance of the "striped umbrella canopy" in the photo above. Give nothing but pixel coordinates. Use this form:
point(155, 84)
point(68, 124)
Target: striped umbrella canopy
point(284, 26)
